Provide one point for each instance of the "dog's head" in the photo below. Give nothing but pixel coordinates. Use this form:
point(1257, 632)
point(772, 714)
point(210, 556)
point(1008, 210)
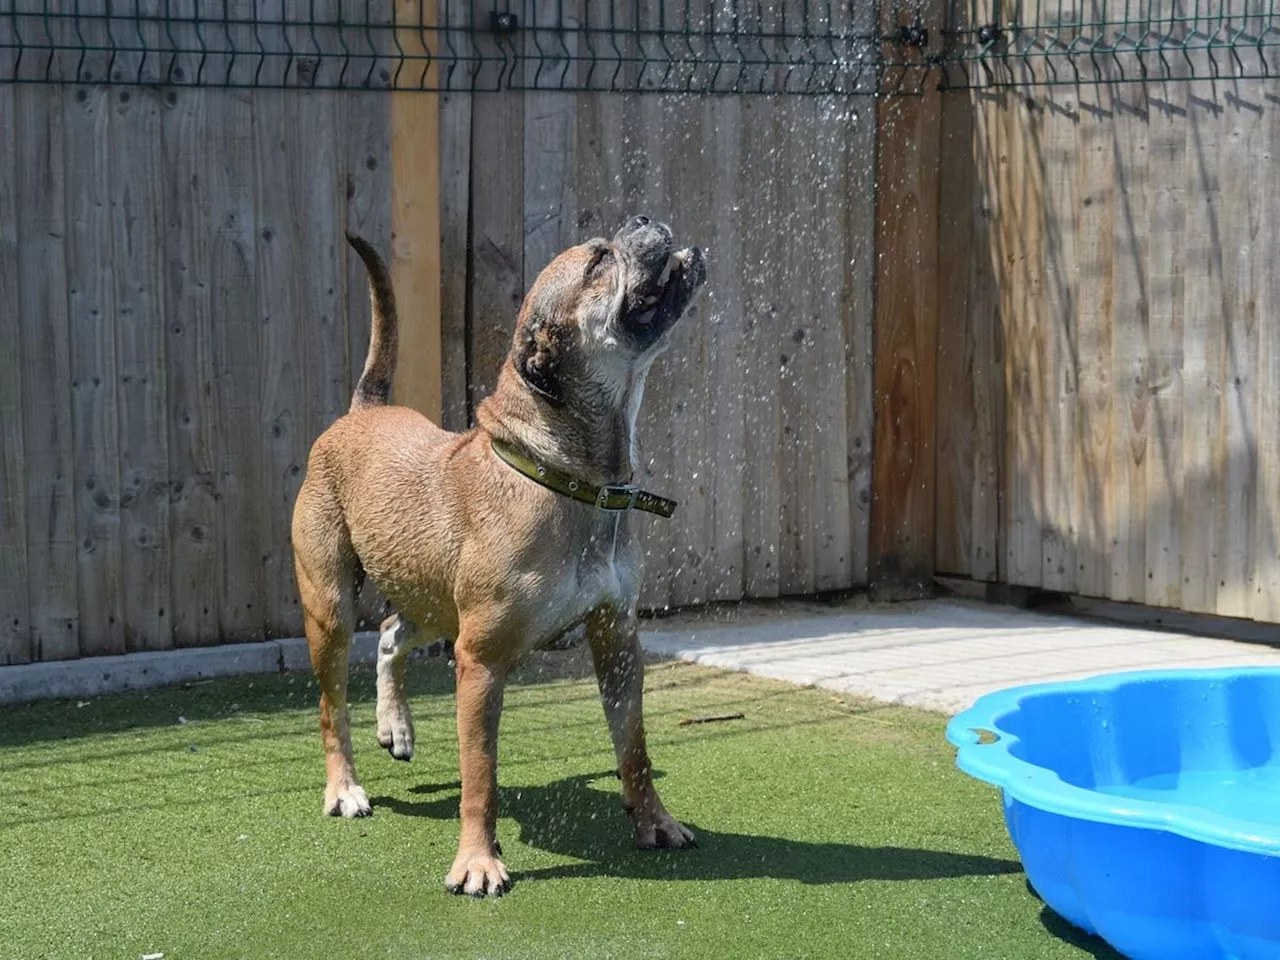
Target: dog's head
point(601, 311)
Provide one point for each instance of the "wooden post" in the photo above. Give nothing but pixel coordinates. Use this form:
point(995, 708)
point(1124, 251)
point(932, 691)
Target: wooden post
point(415, 217)
point(903, 470)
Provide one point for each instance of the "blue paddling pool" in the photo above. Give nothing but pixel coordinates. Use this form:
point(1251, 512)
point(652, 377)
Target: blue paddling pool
point(1145, 806)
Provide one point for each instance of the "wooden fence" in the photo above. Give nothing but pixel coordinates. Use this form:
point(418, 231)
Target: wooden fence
point(181, 319)
point(1072, 351)
point(1108, 341)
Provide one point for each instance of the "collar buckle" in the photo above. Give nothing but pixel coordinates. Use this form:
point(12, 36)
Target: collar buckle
point(610, 491)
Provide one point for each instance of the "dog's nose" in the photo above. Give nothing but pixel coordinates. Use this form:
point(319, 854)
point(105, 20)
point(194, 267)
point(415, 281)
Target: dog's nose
point(645, 232)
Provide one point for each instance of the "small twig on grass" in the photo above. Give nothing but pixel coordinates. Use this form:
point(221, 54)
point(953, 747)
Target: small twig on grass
point(712, 718)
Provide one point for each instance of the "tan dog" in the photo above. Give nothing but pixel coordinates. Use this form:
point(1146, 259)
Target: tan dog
point(464, 537)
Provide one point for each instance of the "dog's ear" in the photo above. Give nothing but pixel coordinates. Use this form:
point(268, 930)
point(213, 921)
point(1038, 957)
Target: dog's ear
point(540, 356)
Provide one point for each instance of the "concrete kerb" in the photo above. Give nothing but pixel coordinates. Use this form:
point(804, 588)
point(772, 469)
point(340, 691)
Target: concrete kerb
point(101, 676)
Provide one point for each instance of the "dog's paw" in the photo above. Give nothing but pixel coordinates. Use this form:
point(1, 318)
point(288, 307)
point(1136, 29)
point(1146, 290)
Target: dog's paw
point(478, 875)
point(347, 801)
point(395, 731)
point(663, 832)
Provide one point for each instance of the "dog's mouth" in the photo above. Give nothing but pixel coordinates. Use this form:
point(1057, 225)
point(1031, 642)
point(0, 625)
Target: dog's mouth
point(658, 304)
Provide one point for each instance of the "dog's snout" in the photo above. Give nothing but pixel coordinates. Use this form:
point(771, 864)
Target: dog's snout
point(644, 239)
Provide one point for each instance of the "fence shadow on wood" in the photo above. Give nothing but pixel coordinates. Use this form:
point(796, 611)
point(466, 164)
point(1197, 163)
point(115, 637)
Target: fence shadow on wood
point(1109, 372)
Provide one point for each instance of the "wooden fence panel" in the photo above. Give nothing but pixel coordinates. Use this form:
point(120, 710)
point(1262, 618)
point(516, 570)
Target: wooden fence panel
point(191, 317)
point(1130, 256)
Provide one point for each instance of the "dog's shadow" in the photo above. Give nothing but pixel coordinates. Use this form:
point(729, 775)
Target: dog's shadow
point(572, 818)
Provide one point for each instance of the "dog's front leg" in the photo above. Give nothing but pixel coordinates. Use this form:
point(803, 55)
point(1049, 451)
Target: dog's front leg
point(477, 869)
point(615, 649)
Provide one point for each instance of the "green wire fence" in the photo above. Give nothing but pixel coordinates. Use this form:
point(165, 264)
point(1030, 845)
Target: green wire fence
point(678, 46)
point(855, 47)
point(998, 43)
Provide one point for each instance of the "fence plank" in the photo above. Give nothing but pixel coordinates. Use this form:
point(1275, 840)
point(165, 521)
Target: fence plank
point(91, 314)
point(284, 426)
point(47, 423)
point(722, 238)
point(366, 161)
point(550, 132)
point(455, 206)
point(138, 245)
point(15, 625)
point(318, 202)
point(1266, 556)
point(762, 246)
point(497, 247)
point(797, 376)
point(193, 508)
point(496, 265)
point(828, 313)
point(1202, 359)
point(1130, 349)
point(956, 391)
point(859, 320)
point(1095, 298)
point(1063, 503)
point(902, 514)
point(689, 143)
point(1166, 226)
point(415, 217)
point(1241, 260)
point(91, 295)
point(989, 548)
point(236, 317)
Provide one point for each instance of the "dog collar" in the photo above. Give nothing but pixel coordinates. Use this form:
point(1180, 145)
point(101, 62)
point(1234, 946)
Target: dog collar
point(616, 496)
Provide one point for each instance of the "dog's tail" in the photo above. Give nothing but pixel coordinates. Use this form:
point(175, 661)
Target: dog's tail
point(373, 389)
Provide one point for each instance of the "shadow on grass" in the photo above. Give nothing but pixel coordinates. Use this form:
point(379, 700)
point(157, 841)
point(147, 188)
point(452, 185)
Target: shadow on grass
point(263, 694)
point(1064, 931)
point(1069, 933)
point(571, 818)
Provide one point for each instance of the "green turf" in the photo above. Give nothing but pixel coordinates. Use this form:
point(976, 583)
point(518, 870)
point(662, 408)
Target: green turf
point(187, 822)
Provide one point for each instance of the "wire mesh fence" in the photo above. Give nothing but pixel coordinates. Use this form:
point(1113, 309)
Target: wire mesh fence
point(670, 46)
point(1001, 43)
point(854, 47)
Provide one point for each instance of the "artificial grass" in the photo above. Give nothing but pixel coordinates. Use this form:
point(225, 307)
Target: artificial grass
point(187, 822)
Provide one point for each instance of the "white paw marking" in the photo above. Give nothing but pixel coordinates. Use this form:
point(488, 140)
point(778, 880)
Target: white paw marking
point(347, 801)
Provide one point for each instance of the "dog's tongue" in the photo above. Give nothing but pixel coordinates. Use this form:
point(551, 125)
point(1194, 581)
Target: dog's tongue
point(646, 318)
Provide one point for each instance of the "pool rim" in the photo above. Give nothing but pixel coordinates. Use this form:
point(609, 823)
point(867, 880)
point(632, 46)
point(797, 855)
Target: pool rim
point(1042, 788)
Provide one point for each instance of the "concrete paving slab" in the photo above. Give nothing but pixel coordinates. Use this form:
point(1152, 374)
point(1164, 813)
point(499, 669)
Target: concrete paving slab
point(939, 655)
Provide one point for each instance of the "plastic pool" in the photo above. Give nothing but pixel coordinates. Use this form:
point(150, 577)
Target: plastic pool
point(1145, 806)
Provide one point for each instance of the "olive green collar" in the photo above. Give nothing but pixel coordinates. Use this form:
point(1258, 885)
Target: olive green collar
point(608, 497)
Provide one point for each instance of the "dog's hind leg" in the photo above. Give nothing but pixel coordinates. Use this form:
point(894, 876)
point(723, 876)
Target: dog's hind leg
point(395, 719)
point(326, 577)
